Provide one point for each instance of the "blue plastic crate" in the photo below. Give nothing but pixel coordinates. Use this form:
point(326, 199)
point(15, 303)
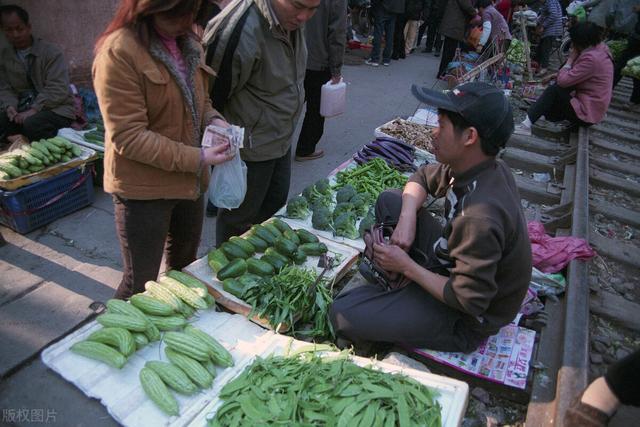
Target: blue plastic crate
point(38, 204)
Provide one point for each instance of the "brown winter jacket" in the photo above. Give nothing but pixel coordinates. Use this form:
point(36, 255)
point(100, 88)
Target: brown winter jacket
point(152, 148)
point(454, 20)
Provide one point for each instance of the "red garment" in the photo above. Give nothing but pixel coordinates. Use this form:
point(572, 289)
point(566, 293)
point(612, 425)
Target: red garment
point(552, 254)
point(591, 75)
point(504, 7)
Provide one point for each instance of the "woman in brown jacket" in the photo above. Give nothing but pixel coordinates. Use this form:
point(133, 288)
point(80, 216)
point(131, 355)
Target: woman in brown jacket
point(151, 85)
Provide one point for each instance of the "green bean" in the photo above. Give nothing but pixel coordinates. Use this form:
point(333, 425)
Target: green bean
point(307, 390)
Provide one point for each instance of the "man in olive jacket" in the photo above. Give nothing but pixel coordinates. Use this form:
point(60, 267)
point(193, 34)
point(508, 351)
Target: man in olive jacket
point(257, 48)
point(457, 14)
point(35, 99)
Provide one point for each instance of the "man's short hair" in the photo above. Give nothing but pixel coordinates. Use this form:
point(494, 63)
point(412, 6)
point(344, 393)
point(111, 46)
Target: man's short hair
point(484, 3)
point(12, 8)
point(459, 124)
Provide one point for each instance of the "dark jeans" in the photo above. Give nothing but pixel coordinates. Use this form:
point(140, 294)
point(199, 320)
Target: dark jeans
point(398, 37)
point(409, 315)
point(313, 124)
point(42, 125)
point(632, 50)
point(421, 30)
point(267, 191)
point(448, 53)
point(434, 41)
point(383, 24)
point(555, 105)
point(623, 378)
point(146, 228)
point(544, 51)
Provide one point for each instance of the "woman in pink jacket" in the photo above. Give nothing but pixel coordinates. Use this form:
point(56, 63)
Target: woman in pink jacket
point(582, 91)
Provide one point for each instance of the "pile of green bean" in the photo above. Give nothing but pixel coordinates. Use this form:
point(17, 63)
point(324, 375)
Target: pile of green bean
point(285, 299)
point(372, 178)
point(307, 390)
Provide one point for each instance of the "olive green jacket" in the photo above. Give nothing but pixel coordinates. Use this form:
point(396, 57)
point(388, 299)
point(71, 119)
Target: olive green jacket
point(260, 76)
point(49, 75)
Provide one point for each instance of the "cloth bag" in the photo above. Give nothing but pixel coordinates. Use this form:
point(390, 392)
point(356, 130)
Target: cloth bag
point(228, 184)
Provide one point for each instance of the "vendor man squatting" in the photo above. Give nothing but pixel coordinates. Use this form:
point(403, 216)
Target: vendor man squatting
point(473, 273)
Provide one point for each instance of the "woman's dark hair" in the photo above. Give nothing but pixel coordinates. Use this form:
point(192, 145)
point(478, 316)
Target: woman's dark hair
point(484, 3)
point(460, 124)
point(585, 34)
point(12, 8)
point(137, 15)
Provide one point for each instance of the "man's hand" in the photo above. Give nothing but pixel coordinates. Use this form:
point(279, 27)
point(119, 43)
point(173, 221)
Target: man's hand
point(336, 79)
point(404, 233)
point(11, 113)
point(20, 118)
point(217, 154)
point(391, 258)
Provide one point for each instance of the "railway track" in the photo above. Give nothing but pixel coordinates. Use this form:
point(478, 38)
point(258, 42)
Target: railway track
point(584, 183)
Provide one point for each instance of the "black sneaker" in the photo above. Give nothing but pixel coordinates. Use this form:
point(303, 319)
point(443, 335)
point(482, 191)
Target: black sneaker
point(212, 210)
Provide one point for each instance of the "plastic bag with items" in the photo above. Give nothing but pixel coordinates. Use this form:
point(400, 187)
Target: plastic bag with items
point(228, 184)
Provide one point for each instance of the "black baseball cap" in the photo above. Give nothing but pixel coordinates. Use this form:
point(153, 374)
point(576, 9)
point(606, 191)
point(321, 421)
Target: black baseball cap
point(482, 105)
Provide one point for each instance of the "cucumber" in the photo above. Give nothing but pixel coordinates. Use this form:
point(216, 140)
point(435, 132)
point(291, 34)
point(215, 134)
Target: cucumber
point(233, 251)
point(243, 244)
point(217, 260)
point(235, 268)
point(299, 257)
point(234, 287)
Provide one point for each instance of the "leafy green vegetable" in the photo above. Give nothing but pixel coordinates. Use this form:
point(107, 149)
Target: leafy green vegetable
point(342, 208)
point(360, 204)
point(297, 207)
point(284, 297)
point(366, 223)
point(345, 194)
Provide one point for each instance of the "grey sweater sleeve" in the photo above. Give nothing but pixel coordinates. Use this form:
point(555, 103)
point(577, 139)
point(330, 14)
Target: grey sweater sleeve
point(336, 35)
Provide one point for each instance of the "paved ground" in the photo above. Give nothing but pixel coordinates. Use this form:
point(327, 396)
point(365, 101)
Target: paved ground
point(50, 277)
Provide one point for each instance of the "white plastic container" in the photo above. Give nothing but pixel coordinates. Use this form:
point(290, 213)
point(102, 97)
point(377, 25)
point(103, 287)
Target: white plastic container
point(333, 99)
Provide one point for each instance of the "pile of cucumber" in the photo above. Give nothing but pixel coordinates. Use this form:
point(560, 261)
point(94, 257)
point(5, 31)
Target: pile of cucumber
point(95, 136)
point(37, 156)
point(236, 266)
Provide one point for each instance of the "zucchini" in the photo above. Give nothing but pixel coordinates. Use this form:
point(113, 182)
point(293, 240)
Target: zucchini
point(292, 237)
point(259, 267)
point(275, 262)
point(276, 254)
point(282, 226)
point(233, 286)
point(315, 249)
point(285, 247)
point(217, 260)
point(306, 236)
point(233, 251)
point(243, 244)
point(259, 244)
point(299, 257)
point(273, 230)
point(264, 234)
point(235, 268)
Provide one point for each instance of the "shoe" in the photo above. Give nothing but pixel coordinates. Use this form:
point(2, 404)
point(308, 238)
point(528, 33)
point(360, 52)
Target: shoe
point(386, 63)
point(212, 210)
point(315, 155)
point(523, 130)
point(436, 53)
point(402, 55)
point(372, 63)
point(395, 56)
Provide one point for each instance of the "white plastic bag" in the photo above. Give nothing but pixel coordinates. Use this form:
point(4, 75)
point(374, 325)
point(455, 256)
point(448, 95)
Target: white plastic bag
point(333, 99)
point(228, 184)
